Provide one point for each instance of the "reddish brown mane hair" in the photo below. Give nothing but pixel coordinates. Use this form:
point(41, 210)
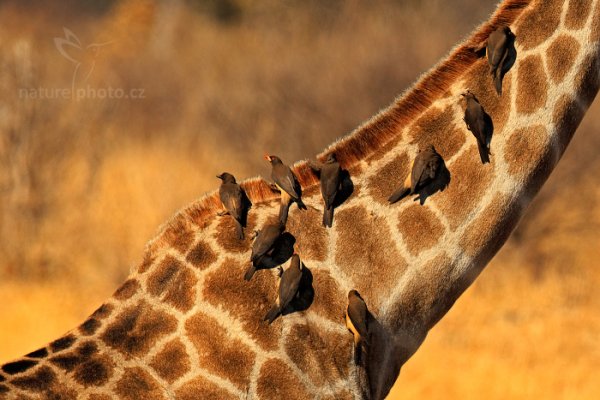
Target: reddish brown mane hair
point(367, 138)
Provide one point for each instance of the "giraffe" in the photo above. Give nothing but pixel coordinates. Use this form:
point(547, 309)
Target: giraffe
point(186, 325)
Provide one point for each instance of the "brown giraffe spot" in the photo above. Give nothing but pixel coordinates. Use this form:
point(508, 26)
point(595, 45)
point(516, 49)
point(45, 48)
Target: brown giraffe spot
point(89, 327)
point(560, 57)
point(180, 235)
point(226, 236)
point(16, 367)
point(137, 328)
point(329, 300)
point(103, 311)
point(278, 381)
point(94, 372)
point(201, 256)
point(146, 263)
point(174, 283)
point(532, 85)
point(172, 361)
point(39, 381)
point(481, 83)
point(420, 228)
point(323, 356)
point(366, 253)
point(220, 354)
point(566, 117)
point(470, 180)
point(137, 384)
point(437, 127)
point(383, 150)
point(246, 301)
point(71, 360)
point(63, 343)
point(40, 353)
point(388, 178)
point(595, 31)
point(577, 14)
point(127, 290)
point(537, 23)
point(524, 148)
point(311, 236)
point(488, 232)
point(425, 298)
point(190, 391)
point(587, 79)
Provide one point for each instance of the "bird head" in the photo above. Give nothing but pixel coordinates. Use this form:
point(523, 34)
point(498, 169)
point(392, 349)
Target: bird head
point(226, 177)
point(331, 158)
point(468, 95)
point(272, 159)
point(354, 293)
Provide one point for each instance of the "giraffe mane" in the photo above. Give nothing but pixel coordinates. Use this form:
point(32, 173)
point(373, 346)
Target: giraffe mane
point(368, 137)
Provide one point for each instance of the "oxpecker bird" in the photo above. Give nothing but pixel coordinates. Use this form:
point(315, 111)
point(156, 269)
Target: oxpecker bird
point(288, 185)
point(233, 200)
point(330, 176)
point(288, 288)
point(480, 125)
point(426, 166)
point(357, 322)
point(500, 53)
point(263, 244)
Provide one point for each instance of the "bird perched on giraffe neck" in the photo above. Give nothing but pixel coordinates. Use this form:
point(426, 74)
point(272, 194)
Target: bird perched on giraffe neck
point(425, 168)
point(264, 242)
point(480, 124)
point(501, 54)
point(330, 177)
point(288, 185)
point(289, 286)
point(357, 322)
point(232, 197)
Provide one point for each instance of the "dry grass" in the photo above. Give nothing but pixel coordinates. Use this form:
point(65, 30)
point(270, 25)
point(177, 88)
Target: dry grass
point(84, 184)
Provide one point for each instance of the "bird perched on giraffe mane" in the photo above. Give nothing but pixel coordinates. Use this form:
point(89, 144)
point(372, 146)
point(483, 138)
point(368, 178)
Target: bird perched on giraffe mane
point(289, 286)
point(479, 123)
point(425, 168)
point(330, 177)
point(232, 197)
point(288, 185)
point(357, 322)
point(499, 48)
point(263, 243)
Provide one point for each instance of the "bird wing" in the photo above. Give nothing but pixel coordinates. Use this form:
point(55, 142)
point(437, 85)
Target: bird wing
point(264, 241)
point(330, 183)
point(231, 196)
point(357, 312)
point(286, 180)
point(497, 42)
point(288, 287)
point(417, 172)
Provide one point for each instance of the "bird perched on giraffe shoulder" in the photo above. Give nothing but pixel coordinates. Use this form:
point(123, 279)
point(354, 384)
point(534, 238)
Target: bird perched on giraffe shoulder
point(500, 53)
point(288, 185)
point(480, 125)
point(232, 197)
point(330, 177)
point(425, 168)
point(264, 242)
point(357, 322)
point(289, 286)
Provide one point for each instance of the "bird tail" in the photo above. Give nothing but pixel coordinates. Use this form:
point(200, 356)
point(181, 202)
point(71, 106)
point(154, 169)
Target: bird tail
point(301, 204)
point(498, 81)
point(483, 153)
point(272, 314)
point(283, 212)
point(250, 272)
point(399, 195)
point(328, 216)
point(239, 230)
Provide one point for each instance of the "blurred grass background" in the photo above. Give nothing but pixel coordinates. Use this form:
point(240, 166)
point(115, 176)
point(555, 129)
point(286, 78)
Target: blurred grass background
point(84, 184)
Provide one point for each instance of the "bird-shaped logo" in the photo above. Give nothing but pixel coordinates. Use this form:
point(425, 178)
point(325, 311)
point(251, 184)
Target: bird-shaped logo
point(84, 58)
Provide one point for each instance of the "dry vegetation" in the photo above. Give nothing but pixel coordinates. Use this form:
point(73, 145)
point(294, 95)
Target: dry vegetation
point(84, 184)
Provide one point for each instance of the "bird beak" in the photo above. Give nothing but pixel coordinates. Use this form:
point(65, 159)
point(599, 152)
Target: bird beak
point(268, 157)
point(220, 176)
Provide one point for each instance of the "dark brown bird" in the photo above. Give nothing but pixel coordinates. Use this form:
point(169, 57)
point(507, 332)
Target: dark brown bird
point(499, 48)
point(263, 244)
point(330, 176)
point(287, 183)
point(288, 288)
point(232, 198)
point(357, 322)
point(425, 168)
point(479, 123)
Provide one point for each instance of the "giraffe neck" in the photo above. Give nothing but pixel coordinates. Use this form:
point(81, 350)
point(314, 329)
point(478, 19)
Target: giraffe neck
point(185, 322)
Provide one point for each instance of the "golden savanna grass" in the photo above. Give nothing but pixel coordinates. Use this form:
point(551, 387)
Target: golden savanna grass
point(84, 184)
